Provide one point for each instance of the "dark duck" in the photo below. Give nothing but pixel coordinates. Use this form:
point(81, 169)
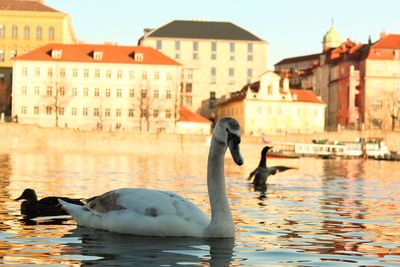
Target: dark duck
point(262, 172)
point(31, 207)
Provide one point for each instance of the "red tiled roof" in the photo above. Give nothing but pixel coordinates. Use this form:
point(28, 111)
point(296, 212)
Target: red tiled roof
point(348, 50)
point(305, 96)
point(185, 115)
point(384, 48)
point(110, 54)
point(24, 5)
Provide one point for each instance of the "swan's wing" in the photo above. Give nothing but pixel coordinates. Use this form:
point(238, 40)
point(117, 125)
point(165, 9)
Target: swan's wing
point(145, 202)
point(275, 169)
point(253, 173)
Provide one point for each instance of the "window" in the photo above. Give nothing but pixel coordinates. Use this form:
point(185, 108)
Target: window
point(39, 32)
point(177, 45)
point(74, 91)
point(36, 110)
point(188, 87)
point(24, 71)
point(27, 32)
point(169, 76)
point(51, 33)
point(167, 113)
point(377, 104)
point(97, 73)
point(195, 46)
point(156, 93)
point(119, 74)
point(37, 71)
point(96, 92)
point(86, 73)
point(60, 110)
point(85, 91)
point(36, 90)
point(108, 92)
point(61, 90)
point(232, 47)
point(156, 75)
point(159, 45)
point(231, 73)
point(2, 31)
point(212, 95)
point(74, 72)
point(49, 90)
point(85, 111)
point(24, 90)
point(189, 74)
point(14, 31)
point(155, 113)
point(249, 48)
point(119, 92)
point(50, 72)
point(143, 113)
point(144, 75)
point(131, 92)
point(48, 110)
point(131, 75)
point(118, 112)
point(169, 94)
point(188, 100)
point(213, 75)
point(73, 111)
point(62, 72)
point(108, 73)
point(23, 110)
point(249, 57)
point(131, 112)
point(96, 112)
point(143, 93)
point(107, 112)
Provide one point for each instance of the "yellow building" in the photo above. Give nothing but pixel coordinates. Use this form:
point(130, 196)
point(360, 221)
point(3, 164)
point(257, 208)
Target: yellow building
point(24, 26)
point(271, 107)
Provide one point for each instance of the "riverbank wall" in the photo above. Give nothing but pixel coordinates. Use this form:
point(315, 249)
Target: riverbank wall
point(19, 137)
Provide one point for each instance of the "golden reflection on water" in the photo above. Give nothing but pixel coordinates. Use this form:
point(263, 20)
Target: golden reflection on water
point(343, 210)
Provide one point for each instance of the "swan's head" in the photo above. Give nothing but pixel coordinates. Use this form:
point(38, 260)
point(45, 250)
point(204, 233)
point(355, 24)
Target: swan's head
point(265, 150)
point(227, 131)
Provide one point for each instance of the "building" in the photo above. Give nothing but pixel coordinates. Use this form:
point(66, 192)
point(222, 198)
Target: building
point(192, 123)
point(269, 106)
point(88, 87)
point(217, 57)
point(26, 25)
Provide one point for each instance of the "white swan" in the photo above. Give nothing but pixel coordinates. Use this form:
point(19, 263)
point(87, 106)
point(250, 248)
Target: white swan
point(160, 213)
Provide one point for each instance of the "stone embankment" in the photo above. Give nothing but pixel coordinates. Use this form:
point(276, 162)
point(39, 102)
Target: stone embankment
point(17, 137)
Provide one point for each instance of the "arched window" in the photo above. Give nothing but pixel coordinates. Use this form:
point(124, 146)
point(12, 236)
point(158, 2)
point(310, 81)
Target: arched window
point(14, 31)
point(2, 31)
point(39, 32)
point(51, 33)
point(27, 32)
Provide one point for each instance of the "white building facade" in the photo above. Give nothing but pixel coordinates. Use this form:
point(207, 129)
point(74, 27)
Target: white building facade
point(103, 87)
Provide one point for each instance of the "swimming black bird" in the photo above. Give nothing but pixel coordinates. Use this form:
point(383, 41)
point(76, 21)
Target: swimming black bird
point(262, 172)
point(48, 206)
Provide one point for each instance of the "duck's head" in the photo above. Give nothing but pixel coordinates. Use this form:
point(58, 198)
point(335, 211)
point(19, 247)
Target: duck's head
point(227, 131)
point(28, 194)
point(265, 150)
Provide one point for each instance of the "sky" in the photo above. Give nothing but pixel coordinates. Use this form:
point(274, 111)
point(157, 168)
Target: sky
point(292, 28)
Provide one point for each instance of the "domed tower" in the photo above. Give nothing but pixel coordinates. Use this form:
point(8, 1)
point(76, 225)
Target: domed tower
point(331, 39)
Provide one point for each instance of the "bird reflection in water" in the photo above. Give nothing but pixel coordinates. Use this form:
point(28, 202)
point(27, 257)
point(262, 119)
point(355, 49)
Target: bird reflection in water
point(113, 249)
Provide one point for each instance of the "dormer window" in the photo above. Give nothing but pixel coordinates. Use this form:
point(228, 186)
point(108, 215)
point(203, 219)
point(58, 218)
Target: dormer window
point(97, 55)
point(138, 57)
point(56, 53)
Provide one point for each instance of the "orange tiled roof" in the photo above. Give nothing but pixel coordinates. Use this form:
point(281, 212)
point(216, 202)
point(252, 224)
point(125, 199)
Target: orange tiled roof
point(24, 5)
point(110, 54)
point(312, 57)
point(188, 116)
point(384, 48)
point(305, 96)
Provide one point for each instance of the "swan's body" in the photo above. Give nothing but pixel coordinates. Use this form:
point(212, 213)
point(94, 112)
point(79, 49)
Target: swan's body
point(160, 213)
point(262, 172)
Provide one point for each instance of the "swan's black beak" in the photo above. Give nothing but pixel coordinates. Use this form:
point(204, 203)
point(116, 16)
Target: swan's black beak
point(233, 144)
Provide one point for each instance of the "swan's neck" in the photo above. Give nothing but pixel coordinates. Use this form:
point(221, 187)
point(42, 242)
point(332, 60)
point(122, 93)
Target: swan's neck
point(263, 161)
point(221, 224)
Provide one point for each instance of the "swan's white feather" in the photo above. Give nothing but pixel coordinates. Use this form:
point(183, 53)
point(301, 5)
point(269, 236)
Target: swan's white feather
point(175, 215)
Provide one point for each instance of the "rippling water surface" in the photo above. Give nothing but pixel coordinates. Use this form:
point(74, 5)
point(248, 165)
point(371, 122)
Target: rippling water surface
point(325, 213)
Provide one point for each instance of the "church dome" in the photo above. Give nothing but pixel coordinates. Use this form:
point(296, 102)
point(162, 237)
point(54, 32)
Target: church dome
point(331, 39)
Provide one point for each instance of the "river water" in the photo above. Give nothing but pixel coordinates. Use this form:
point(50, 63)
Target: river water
point(324, 213)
